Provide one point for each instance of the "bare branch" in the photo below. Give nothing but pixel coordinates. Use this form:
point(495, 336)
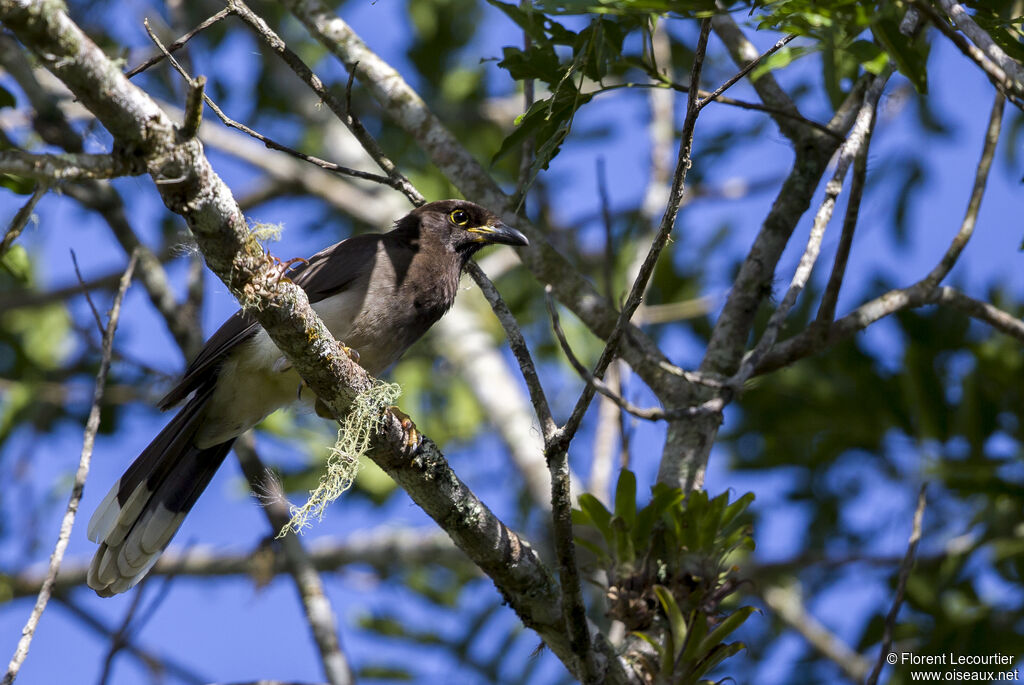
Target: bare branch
point(923, 292)
point(827, 307)
point(394, 178)
point(901, 587)
point(21, 218)
point(747, 68)
point(272, 144)
point(1012, 82)
point(743, 52)
point(988, 151)
point(649, 414)
point(982, 311)
point(154, 662)
point(786, 604)
point(319, 613)
point(849, 150)
point(53, 127)
point(661, 239)
point(91, 427)
point(519, 348)
point(66, 167)
point(178, 44)
point(383, 549)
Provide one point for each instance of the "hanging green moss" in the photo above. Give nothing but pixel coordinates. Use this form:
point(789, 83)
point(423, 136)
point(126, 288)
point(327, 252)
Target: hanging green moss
point(343, 462)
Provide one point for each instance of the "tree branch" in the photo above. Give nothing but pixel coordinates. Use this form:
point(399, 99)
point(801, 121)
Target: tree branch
point(404, 106)
point(850, 149)
point(786, 604)
point(21, 218)
point(901, 587)
point(923, 292)
point(66, 167)
point(91, 428)
point(189, 187)
point(319, 613)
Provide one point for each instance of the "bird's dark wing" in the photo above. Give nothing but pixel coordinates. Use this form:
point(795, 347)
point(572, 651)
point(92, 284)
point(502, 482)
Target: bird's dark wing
point(333, 269)
point(327, 272)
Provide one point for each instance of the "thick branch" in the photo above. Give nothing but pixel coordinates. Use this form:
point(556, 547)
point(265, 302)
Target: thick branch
point(66, 167)
point(189, 187)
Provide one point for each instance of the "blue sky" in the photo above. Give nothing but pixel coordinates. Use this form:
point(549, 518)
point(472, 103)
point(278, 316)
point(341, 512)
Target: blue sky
point(229, 631)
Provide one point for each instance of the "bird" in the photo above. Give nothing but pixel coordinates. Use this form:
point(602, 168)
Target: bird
point(378, 293)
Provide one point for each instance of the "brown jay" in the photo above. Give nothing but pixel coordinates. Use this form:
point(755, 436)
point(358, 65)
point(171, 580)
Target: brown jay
point(377, 293)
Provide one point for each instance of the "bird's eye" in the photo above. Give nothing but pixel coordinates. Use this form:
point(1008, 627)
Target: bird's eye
point(459, 217)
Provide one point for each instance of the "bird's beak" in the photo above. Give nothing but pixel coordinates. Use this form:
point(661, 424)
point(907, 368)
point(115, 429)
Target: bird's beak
point(499, 233)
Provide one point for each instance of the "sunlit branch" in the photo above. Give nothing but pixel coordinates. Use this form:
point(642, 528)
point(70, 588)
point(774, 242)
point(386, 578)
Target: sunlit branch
point(91, 428)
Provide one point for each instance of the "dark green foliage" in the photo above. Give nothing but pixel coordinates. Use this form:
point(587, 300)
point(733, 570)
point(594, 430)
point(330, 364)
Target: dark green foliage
point(669, 571)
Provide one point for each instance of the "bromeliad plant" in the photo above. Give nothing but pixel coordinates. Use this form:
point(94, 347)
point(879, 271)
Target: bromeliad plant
point(669, 571)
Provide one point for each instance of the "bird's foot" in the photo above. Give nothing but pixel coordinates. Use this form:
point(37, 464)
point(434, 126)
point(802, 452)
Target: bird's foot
point(281, 268)
point(412, 435)
point(349, 352)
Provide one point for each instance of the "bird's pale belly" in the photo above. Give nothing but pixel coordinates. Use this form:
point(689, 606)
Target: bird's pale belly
point(256, 379)
point(251, 385)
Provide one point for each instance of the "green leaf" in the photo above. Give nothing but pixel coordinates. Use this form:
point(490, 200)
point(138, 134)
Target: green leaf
point(663, 499)
point(602, 555)
point(540, 62)
point(910, 59)
point(22, 185)
point(601, 517)
point(723, 630)
point(717, 656)
point(625, 553)
point(625, 497)
point(676, 623)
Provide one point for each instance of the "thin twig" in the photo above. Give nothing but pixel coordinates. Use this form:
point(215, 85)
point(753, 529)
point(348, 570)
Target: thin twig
point(988, 151)
point(901, 587)
point(88, 297)
point(924, 291)
point(714, 95)
point(980, 310)
point(661, 239)
point(176, 45)
point(827, 308)
point(270, 143)
point(556, 451)
point(319, 613)
point(91, 428)
point(856, 140)
point(21, 218)
point(785, 603)
point(156, 664)
point(394, 178)
point(519, 349)
point(648, 414)
point(119, 639)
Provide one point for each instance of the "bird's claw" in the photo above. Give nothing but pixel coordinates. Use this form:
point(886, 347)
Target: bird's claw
point(281, 268)
point(412, 435)
point(349, 352)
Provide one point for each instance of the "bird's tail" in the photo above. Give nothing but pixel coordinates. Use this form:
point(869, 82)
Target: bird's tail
point(145, 507)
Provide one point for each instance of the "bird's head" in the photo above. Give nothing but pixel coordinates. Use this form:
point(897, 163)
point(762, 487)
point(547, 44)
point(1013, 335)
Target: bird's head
point(459, 225)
